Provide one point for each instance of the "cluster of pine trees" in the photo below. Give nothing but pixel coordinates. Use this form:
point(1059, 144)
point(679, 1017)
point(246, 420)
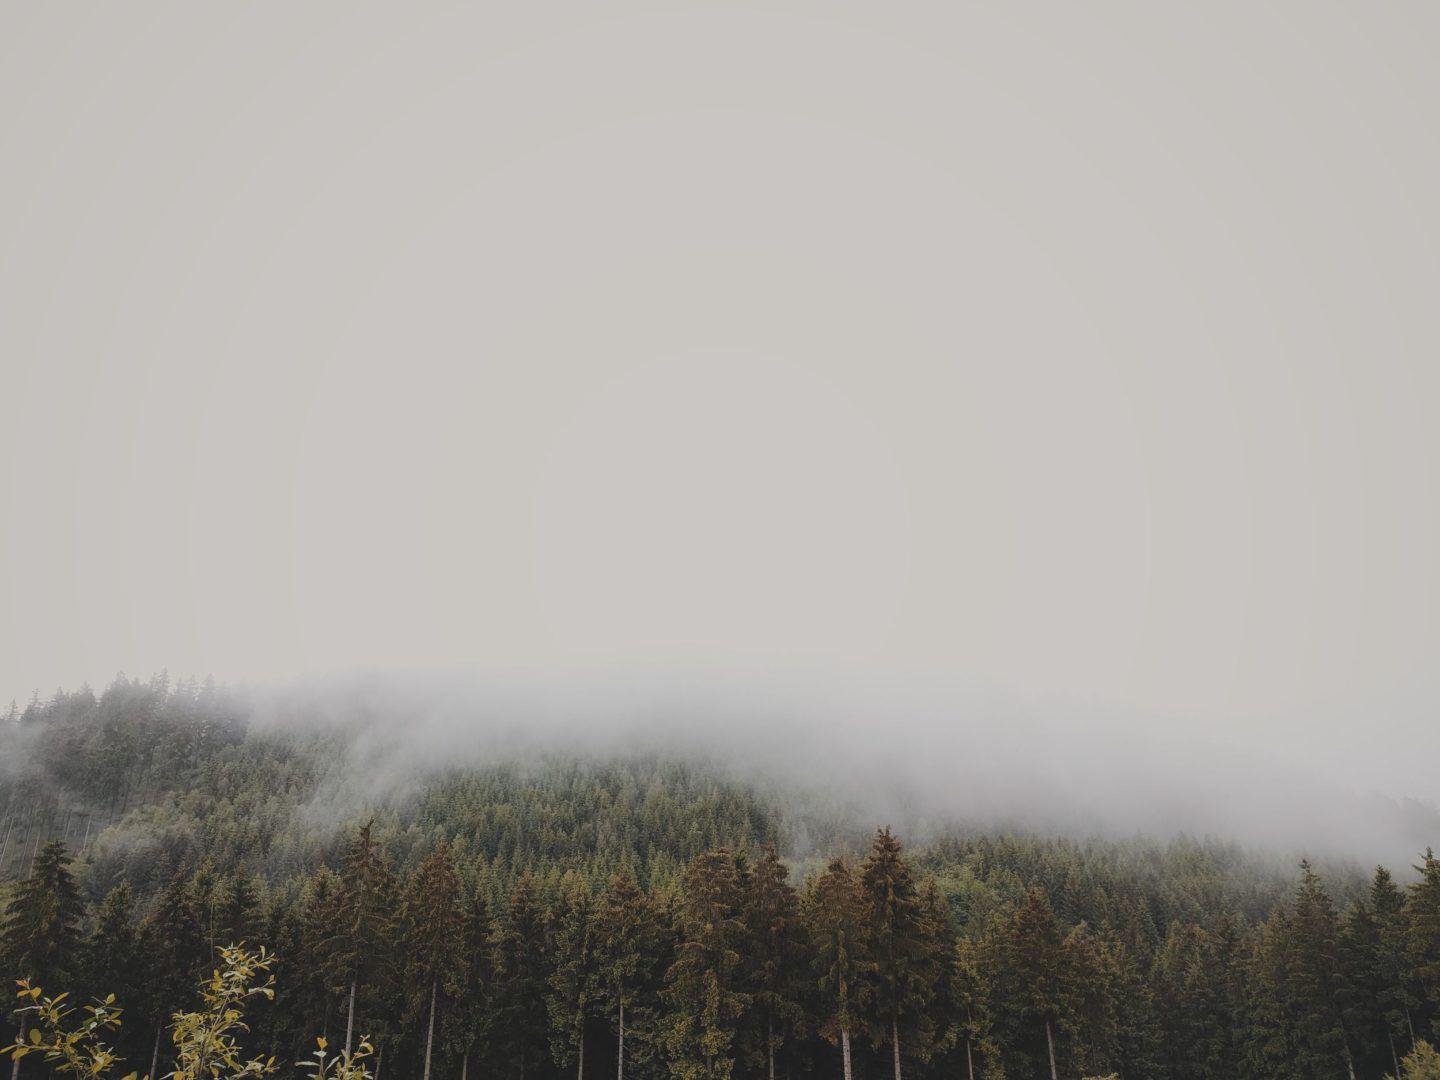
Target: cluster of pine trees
point(864, 969)
point(550, 917)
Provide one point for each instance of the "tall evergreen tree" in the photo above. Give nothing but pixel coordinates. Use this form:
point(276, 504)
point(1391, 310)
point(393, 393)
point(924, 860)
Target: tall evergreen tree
point(772, 915)
point(573, 980)
point(836, 911)
point(1422, 913)
point(705, 985)
point(1035, 965)
point(114, 959)
point(366, 939)
point(468, 1023)
point(431, 913)
point(1322, 1045)
point(40, 932)
point(904, 950)
point(971, 994)
point(522, 1018)
point(627, 943)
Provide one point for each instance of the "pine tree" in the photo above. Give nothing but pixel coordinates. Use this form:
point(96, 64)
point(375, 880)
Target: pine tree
point(772, 916)
point(1395, 995)
point(971, 993)
point(522, 1020)
point(468, 1023)
point(1322, 1046)
point(1422, 914)
point(705, 985)
point(174, 939)
point(905, 960)
point(627, 945)
point(432, 922)
point(836, 912)
point(114, 960)
point(573, 980)
point(1035, 963)
point(366, 939)
point(40, 932)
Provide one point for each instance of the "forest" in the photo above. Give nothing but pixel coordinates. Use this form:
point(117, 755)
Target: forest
point(651, 916)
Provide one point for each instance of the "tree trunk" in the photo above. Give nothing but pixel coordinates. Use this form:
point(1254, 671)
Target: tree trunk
point(770, 1040)
point(350, 1018)
point(895, 1042)
point(580, 1068)
point(15, 1064)
point(430, 1034)
point(1050, 1044)
point(1349, 1061)
point(969, 1060)
point(1394, 1056)
point(620, 1052)
point(379, 1060)
point(464, 1065)
point(1411, 1026)
point(155, 1053)
point(845, 1051)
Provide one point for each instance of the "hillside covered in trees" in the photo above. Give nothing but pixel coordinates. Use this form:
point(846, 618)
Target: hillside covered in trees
point(559, 914)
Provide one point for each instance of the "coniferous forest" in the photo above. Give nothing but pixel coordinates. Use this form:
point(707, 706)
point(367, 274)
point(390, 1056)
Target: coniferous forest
point(644, 916)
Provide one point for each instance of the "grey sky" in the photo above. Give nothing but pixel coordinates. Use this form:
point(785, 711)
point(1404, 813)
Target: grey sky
point(1082, 353)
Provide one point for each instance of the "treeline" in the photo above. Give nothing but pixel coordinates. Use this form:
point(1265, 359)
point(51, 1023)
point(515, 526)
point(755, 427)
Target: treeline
point(501, 917)
point(864, 969)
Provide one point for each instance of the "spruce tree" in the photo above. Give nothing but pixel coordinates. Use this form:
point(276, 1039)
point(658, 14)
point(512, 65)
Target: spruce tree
point(772, 915)
point(431, 912)
point(40, 932)
point(836, 912)
point(903, 948)
point(366, 938)
point(573, 980)
point(114, 959)
point(1035, 964)
point(704, 987)
point(627, 943)
point(522, 1021)
point(468, 1024)
point(1422, 914)
point(1316, 982)
point(971, 993)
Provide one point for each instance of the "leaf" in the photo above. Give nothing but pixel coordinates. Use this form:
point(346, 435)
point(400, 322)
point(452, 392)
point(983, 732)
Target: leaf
point(35, 1036)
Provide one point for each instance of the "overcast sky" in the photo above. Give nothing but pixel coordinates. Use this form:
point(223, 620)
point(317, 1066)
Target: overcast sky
point(1086, 354)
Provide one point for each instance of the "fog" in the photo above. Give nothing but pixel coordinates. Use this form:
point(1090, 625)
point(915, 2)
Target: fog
point(884, 755)
point(1014, 414)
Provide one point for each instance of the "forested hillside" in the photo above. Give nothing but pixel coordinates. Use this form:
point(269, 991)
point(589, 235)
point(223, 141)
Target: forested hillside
point(558, 914)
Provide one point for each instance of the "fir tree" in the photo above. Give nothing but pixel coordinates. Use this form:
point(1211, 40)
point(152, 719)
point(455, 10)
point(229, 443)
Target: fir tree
point(573, 981)
point(1034, 963)
point(772, 915)
point(431, 914)
point(705, 985)
point(522, 1019)
point(903, 947)
point(837, 922)
point(627, 944)
point(40, 932)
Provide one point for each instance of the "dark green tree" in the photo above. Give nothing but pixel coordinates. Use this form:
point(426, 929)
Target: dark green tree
point(906, 961)
point(40, 932)
point(628, 948)
point(775, 937)
point(836, 912)
point(705, 986)
point(522, 1021)
point(432, 923)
